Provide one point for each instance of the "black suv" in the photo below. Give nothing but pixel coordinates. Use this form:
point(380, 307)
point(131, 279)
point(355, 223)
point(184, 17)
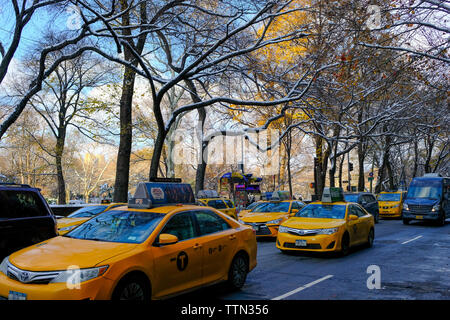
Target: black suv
point(25, 218)
point(366, 200)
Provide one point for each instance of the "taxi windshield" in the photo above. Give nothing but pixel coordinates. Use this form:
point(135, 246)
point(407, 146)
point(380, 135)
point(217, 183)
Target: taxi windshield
point(272, 207)
point(118, 226)
point(322, 211)
point(389, 197)
point(87, 212)
point(351, 197)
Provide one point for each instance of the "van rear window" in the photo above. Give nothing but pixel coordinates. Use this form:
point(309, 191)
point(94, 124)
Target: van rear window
point(20, 204)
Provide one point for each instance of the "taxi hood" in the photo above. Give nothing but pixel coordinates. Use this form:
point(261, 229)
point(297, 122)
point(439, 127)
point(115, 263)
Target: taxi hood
point(61, 252)
point(313, 223)
point(263, 216)
point(65, 222)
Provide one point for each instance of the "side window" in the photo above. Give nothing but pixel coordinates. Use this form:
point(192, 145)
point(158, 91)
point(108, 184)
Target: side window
point(209, 222)
point(217, 204)
point(21, 204)
point(295, 205)
point(180, 225)
point(368, 198)
point(229, 203)
point(359, 212)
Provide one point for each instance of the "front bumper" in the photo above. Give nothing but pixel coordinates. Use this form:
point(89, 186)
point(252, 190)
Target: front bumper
point(263, 230)
point(390, 213)
point(321, 242)
point(430, 216)
point(95, 289)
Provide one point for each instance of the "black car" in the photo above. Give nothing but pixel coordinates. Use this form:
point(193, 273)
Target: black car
point(25, 218)
point(366, 200)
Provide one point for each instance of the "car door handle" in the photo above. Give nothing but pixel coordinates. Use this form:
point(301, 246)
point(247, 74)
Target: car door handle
point(232, 237)
point(197, 246)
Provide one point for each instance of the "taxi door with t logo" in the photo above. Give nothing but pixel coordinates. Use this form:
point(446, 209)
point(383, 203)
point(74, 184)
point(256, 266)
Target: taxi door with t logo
point(178, 266)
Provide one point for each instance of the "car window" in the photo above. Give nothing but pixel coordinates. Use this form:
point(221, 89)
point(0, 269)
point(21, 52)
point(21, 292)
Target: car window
point(322, 211)
point(367, 198)
point(181, 225)
point(217, 204)
point(87, 212)
point(351, 197)
point(295, 205)
point(229, 203)
point(209, 222)
point(357, 211)
point(21, 204)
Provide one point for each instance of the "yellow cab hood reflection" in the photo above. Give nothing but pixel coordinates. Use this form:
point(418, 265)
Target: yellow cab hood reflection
point(263, 216)
point(61, 252)
point(313, 223)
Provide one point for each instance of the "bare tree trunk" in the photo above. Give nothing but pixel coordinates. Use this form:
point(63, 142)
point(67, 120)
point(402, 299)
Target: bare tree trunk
point(59, 170)
point(361, 158)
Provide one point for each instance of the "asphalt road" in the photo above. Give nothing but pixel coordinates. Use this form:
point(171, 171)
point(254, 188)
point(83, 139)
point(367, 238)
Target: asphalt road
point(413, 260)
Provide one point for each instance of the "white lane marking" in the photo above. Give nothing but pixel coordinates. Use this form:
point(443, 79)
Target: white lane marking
point(412, 239)
point(302, 287)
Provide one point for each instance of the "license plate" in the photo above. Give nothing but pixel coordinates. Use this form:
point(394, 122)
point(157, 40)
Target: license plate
point(13, 295)
point(419, 217)
point(300, 243)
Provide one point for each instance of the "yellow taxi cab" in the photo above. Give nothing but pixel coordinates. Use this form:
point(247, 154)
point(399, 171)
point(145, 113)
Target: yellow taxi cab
point(158, 246)
point(390, 204)
point(82, 215)
point(250, 207)
point(328, 225)
point(267, 217)
point(210, 198)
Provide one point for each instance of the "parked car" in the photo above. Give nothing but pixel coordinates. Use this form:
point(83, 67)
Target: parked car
point(25, 218)
point(366, 200)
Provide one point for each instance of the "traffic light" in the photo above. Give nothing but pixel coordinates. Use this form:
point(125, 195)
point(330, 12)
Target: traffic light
point(350, 166)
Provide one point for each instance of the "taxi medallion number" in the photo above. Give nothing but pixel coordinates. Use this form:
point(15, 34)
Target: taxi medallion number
point(300, 243)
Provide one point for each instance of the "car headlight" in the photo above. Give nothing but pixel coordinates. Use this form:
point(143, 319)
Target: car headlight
point(435, 208)
point(276, 221)
point(79, 275)
point(4, 265)
point(327, 231)
point(405, 206)
point(282, 229)
point(240, 221)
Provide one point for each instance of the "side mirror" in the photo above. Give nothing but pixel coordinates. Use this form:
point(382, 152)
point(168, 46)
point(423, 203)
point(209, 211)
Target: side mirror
point(167, 239)
point(353, 217)
point(293, 212)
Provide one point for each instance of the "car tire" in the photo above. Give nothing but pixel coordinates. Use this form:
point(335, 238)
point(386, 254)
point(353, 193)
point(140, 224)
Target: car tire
point(345, 245)
point(406, 221)
point(441, 220)
point(132, 288)
point(238, 272)
point(370, 238)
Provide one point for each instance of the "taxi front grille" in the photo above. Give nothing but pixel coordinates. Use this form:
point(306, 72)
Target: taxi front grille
point(292, 245)
point(42, 277)
point(263, 231)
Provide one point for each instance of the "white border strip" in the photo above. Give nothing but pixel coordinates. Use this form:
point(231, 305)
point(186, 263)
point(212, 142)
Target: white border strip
point(303, 287)
point(412, 239)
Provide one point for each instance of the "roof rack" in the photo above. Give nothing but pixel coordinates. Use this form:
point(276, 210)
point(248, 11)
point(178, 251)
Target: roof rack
point(15, 184)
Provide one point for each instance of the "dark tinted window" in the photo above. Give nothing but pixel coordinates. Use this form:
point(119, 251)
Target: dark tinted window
point(229, 203)
point(21, 204)
point(209, 222)
point(357, 211)
point(180, 225)
point(217, 204)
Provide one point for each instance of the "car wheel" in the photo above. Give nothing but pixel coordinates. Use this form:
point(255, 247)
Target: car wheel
point(370, 238)
point(345, 245)
point(238, 272)
point(406, 221)
point(441, 221)
point(132, 288)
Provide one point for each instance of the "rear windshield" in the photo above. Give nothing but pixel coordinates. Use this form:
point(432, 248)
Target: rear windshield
point(21, 204)
point(351, 197)
point(87, 212)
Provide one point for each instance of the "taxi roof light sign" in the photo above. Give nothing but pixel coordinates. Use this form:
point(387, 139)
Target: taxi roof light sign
point(280, 195)
point(154, 194)
point(332, 195)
